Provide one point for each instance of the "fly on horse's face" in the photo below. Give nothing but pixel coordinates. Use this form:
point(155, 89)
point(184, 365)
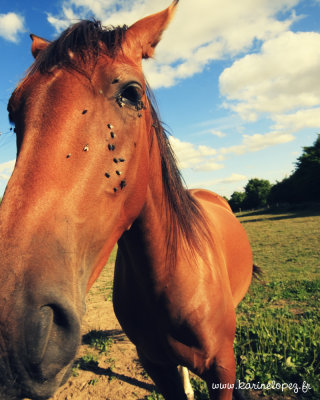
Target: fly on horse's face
point(83, 122)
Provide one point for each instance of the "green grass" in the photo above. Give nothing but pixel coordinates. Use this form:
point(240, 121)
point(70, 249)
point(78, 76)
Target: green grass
point(154, 396)
point(88, 362)
point(99, 340)
point(199, 388)
point(93, 382)
point(285, 243)
point(278, 327)
point(278, 338)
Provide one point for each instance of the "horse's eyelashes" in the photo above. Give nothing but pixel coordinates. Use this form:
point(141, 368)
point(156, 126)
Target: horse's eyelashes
point(131, 95)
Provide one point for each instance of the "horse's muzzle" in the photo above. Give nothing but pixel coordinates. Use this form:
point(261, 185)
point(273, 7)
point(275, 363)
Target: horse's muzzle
point(41, 355)
point(52, 336)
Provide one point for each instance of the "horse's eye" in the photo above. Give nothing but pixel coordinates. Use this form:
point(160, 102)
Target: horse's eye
point(132, 94)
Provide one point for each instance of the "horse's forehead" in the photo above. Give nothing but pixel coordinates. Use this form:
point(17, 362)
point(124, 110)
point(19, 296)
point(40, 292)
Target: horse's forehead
point(106, 68)
point(103, 72)
point(33, 85)
point(121, 65)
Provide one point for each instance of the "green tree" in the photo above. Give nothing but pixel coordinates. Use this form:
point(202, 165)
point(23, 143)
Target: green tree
point(310, 157)
point(307, 173)
point(257, 193)
point(282, 192)
point(304, 183)
point(237, 201)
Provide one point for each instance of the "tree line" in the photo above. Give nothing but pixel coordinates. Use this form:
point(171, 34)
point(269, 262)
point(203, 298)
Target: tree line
point(303, 185)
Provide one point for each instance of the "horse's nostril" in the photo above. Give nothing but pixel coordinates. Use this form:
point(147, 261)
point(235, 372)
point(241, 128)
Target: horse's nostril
point(61, 318)
point(52, 336)
point(38, 329)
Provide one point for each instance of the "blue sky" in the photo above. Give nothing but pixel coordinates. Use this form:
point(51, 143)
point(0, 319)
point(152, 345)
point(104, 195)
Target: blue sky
point(237, 82)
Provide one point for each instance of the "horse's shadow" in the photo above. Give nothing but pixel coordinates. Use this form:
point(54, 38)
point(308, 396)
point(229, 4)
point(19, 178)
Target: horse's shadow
point(92, 365)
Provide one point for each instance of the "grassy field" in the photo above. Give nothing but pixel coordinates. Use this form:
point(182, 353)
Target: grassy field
point(278, 334)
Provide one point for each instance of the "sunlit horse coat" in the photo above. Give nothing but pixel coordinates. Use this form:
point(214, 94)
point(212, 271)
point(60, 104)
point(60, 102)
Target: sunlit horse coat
point(94, 166)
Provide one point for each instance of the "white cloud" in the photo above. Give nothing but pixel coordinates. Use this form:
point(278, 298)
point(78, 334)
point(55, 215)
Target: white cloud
point(252, 143)
point(196, 36)
point(61, 23)
point(11, 24)
point(208, 166)
point(233, 178)
point(6, 169)
point(214, 132)
point(283, 77)
point(226, 28)
point(191, 156)
point(217, 133)
point(293, 122)
point(220, 157)
point(206, 150)
point(280, 82)
point(200, 158)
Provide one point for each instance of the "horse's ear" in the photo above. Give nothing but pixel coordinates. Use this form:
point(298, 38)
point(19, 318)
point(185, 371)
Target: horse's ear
point(38, 44)
point(146, 33)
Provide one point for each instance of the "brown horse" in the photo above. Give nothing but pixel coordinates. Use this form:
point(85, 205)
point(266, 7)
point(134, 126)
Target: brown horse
point(95, 167)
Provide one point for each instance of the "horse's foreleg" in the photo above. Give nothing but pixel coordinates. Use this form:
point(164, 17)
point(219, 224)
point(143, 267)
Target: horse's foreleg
point(166, 378)
point(184, 375)
point(220, 377)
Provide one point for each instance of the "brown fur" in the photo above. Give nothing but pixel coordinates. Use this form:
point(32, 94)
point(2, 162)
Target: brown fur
point(184, 261)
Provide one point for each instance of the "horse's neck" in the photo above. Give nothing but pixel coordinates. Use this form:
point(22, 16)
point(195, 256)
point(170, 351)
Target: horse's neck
point(145, 244)
point(154, 218)
point(154, 224)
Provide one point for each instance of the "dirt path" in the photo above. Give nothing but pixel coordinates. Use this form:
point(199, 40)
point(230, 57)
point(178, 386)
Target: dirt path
point(113, 372)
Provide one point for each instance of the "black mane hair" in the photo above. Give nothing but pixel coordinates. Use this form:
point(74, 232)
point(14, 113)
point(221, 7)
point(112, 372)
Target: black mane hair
point(185, 215)
point(83, 39)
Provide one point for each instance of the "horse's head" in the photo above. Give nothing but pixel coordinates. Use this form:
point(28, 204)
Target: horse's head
point(83, 123)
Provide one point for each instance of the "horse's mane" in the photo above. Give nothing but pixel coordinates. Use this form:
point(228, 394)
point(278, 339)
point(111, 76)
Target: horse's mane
point(186, 220)
point(84, 39)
